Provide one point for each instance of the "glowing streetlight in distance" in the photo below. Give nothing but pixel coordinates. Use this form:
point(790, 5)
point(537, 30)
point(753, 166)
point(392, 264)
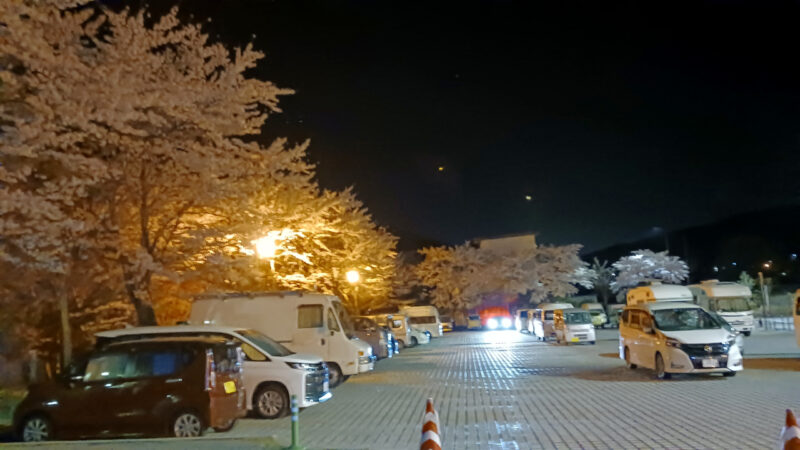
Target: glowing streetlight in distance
point(266, 247)
point(352, 276)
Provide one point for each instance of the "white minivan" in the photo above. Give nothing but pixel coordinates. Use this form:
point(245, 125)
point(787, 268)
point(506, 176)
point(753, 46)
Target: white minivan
point(542, 323)
point(729, 300)
point(272, 373)
point(304, 322)
point(425, 318)
point(677, 337)
point(573, 326)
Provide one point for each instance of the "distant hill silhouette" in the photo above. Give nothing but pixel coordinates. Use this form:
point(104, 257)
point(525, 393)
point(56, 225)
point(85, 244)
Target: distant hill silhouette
point(741, 242)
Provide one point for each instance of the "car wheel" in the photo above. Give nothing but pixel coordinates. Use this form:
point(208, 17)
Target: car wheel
point(227, 428)
point(187, 424)
point(661, 370)
point(413, 341)
point(592, 342)
point(271, 401)
point(36, 428)
point(746, 333)
point(336, 377)
point(628, 359)
point(729, 374)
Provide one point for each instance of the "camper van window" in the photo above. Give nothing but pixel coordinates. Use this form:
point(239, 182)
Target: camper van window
point(344, 319)
point(633, 319)
point(309, 316)
point(333, 325)
point(267, 344)
point(523, 314)
point(733, 304)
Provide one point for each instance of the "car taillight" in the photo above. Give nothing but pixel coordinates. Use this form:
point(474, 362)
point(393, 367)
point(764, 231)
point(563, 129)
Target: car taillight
point(211, 370)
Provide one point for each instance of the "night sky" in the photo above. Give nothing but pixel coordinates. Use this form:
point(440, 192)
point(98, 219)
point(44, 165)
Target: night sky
point(613, 117)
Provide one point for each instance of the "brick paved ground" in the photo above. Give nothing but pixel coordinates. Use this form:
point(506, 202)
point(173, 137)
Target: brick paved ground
point(503, 390)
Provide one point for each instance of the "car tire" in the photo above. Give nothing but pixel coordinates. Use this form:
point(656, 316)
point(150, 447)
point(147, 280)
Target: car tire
point(186, 424)
point(746, 333)
point(592, 342)
point(36, 428)
point(271, 401)
point(226, 428)
point(661, 369)
point(413, 341)
point(336, 377)
point(628, 359)
point(729, 374)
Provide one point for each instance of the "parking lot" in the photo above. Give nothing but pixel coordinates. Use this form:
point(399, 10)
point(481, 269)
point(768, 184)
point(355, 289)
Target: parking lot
point(504, 390)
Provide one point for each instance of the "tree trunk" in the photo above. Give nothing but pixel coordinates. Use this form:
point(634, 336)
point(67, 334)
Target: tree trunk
point(66, 331)
point(145, 315)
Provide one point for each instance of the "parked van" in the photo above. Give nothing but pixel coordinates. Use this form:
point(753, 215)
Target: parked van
point(522, 322)
point(400, 325)
point(304, 322)
point(272, 372)
point(796, 313)
point(573, 326)
point(543, 319)
point(599, 317)
point(676, 337)
point(474, 322)
point(169, 386)
point(375, 335)
point(424, 317)
point(729, 300)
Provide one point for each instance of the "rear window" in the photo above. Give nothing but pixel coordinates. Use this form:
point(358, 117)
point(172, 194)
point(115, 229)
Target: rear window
point(548, 315)
point(422, 320)
point(227, 359)
point(523, 314)
point(474, 317)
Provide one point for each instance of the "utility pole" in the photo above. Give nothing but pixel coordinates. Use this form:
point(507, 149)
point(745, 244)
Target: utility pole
point(764, 294)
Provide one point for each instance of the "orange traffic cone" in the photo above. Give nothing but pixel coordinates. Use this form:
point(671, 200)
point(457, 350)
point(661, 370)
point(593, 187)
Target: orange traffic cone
point(430, 429)
point(790, 435)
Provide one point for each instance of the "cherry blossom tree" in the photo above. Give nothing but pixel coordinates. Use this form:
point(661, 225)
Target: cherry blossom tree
point(647, 265)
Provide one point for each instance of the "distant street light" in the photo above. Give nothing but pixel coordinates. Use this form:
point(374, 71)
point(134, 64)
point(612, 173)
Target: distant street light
point(266, 247)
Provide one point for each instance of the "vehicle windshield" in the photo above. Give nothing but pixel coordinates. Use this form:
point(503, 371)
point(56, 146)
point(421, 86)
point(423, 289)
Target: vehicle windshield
point(683, 319)
point(265, 343)
point(577, 317)
point(422, 320)
point(732, 304)
point(474, 317)
point(344, 319)
point(722, 321)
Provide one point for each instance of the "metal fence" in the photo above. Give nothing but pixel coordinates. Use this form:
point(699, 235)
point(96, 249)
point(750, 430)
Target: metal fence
point(775, 323)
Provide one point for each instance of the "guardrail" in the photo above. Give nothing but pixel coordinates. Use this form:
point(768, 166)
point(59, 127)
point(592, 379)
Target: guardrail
point(775, 323)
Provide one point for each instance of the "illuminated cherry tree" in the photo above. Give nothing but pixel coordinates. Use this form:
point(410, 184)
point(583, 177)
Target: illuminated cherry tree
point(647, 265)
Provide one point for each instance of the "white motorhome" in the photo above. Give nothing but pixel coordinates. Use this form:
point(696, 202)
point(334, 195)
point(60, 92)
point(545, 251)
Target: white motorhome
point(272, 373)
point(542, 322)
point(661, 329)
point(730, 300)
point(304, 322)
point(425, 318)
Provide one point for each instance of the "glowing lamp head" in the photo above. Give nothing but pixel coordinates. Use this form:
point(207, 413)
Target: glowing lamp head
point(266, 247)
point(492, 323)
point(506, 322)
point(352, 276)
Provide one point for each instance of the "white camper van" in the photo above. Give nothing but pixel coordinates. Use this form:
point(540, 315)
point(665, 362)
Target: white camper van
point(542, 321)
point(661, 329)
point(730, 300)
point(304, 322)
point(425, 318)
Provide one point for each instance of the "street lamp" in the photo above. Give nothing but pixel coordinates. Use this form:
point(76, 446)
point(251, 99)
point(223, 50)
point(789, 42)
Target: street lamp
point(353, 278)
point(266, 247)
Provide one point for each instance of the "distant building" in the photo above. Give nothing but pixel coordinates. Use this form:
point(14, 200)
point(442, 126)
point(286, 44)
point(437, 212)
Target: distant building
point(508, 244)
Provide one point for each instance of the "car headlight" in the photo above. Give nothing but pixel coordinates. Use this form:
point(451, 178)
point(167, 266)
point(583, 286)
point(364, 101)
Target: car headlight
point(506, 322)
point(673, 343)
point(301, 366)
point(492, 323)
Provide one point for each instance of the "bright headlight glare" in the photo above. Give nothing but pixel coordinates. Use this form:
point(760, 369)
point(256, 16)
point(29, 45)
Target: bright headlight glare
point(491, 323)
point(506, 322)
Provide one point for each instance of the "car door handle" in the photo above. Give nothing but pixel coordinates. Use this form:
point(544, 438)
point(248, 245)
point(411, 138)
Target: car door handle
point(322, 341)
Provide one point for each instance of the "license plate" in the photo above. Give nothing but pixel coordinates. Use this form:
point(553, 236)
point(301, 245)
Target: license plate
point(230, 387)
point(710, 362)
point(325, 387)
point(575, 339)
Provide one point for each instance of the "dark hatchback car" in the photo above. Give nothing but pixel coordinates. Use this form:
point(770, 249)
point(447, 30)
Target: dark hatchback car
point(156, 387)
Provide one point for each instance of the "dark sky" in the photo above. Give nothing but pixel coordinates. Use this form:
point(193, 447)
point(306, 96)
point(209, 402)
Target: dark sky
point(613, 117)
